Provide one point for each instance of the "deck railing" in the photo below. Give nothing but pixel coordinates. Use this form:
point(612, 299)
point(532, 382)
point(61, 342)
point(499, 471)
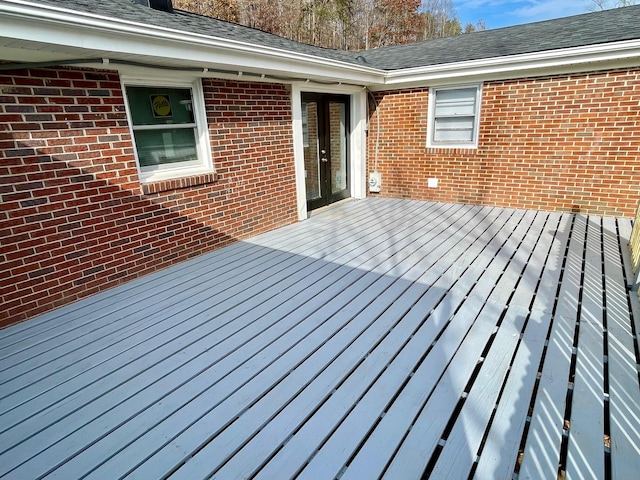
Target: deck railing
point(635, 248)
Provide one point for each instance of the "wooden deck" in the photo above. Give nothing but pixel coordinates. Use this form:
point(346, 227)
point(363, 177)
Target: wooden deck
point(379, 338)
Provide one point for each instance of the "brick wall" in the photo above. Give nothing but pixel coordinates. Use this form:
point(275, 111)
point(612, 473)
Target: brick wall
point(74, 219)
point(562, 143)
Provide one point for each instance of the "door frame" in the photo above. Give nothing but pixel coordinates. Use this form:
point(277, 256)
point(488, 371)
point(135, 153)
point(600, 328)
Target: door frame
point(323, 101)
point(357, 138)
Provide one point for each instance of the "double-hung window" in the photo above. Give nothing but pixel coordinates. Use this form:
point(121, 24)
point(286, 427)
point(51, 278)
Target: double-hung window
point(454, 115)
point(169, 129)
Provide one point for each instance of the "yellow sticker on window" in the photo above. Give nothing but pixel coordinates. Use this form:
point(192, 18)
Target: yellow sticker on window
point(161, 106)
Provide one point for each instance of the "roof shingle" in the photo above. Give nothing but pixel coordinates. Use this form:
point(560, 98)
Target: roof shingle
point(607, 26)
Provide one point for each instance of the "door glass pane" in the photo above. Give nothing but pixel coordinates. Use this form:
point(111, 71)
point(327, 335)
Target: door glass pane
point(311, 147)
point(338, 133)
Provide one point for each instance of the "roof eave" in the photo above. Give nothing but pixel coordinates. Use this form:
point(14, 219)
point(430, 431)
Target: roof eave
point(61, 33)
point(551, 62)
point(106, 37)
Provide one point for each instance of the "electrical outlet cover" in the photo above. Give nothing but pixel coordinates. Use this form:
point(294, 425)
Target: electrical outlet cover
point(375, 181)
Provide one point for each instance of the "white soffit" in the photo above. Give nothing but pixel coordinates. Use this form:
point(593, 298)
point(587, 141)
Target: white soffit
point(570, 60)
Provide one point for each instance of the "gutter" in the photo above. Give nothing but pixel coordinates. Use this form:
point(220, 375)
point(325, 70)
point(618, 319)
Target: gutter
point(568, 60)
point(201, 72)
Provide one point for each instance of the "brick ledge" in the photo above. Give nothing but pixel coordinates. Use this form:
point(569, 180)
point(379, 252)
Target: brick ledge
point(177, 183)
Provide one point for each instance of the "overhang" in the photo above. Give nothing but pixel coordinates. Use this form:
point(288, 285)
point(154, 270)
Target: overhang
point(41, 33)
point(562, 61)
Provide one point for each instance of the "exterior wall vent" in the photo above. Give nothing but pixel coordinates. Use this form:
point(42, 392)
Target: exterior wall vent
point(162, 5)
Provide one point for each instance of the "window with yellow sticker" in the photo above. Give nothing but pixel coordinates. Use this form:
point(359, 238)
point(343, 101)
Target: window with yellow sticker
point(170, 140)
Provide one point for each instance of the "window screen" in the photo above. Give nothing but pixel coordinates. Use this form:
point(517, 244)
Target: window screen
point(454, 116)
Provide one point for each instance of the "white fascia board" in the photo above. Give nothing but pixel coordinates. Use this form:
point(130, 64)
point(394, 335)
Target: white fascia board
point(571, 60)
point(23, 20)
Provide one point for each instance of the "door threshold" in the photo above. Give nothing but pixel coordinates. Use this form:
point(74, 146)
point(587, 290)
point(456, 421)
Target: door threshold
point(331, 205)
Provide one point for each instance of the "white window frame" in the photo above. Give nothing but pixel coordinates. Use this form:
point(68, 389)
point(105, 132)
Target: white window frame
point(431, 143)
point(204, 164)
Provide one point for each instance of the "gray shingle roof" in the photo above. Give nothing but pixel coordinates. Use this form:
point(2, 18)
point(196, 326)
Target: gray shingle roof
point(580, 30)
point(192, 23)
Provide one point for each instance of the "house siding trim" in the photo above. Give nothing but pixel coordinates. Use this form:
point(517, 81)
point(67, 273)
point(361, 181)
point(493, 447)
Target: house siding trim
point(64, 33)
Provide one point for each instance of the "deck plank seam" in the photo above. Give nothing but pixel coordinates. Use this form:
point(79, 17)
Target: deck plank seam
point(563, 461)
point(559, 309)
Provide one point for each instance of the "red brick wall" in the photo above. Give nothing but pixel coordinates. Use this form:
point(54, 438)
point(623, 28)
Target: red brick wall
point(74, 219)
point(562, 143)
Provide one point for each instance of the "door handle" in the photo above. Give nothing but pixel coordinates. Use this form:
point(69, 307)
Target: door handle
point(324, 159)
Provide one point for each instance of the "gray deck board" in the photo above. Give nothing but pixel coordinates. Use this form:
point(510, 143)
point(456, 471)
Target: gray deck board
point(387, 366)
point(379, 338)
point(480, 321)
point(510, 416)
point(624, 395)
point(189, 370)
point(463, 442)
point(542, 450)
point(342, 358)
point(585, 458)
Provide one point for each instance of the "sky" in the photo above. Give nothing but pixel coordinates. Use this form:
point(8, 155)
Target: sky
point(504, 13)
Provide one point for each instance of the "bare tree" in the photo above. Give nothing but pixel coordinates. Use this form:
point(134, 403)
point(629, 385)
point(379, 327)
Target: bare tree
point(440, 19)
point(223, 9)
point(344, 24)
point(606, 4)
point(396, 22)
point(478, 27)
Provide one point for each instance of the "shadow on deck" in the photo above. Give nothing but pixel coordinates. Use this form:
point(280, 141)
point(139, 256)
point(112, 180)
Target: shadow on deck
point(380, 338)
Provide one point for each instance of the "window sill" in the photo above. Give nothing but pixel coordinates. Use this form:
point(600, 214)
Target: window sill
point(454, 146)
point(150, 188)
